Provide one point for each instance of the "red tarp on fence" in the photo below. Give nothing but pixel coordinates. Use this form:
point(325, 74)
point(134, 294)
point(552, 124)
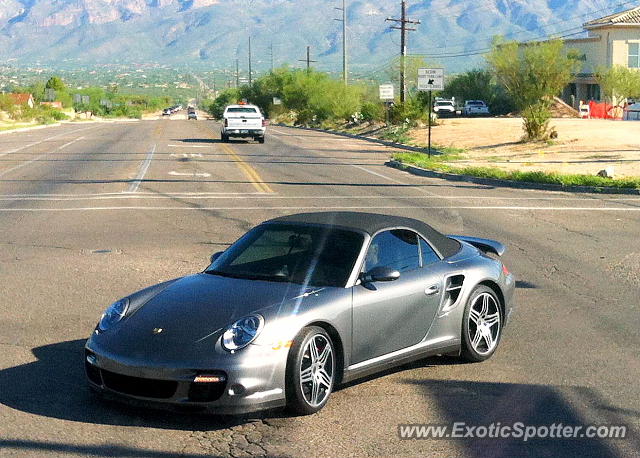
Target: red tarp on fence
point(605, 110)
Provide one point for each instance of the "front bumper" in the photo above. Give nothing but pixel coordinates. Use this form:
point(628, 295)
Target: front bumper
point(254, 382)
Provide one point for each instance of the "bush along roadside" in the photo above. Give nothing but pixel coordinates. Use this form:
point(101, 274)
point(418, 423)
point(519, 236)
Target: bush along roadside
point(442, 163)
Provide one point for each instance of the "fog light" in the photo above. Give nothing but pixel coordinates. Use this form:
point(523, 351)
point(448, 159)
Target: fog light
point(209, 379)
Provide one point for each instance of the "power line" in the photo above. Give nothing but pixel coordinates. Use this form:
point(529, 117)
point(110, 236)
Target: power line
point(345, 71)
point(403, 45)
point(545, 26)
point(485, 50)
point(308, 59)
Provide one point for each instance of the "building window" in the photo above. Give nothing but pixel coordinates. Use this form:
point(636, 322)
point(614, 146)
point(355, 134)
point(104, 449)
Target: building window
point(634, 55)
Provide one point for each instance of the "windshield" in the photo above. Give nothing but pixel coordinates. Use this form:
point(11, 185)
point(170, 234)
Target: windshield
point(310, 255)
point(241, 110)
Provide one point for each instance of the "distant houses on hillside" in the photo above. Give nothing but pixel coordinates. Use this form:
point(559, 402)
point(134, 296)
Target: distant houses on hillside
point(22, 99)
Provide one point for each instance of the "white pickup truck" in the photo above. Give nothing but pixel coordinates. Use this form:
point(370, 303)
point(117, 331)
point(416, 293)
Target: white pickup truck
point(243, 121)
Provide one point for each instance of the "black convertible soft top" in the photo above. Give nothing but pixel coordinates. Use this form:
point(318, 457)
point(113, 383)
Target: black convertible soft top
point(372, 223)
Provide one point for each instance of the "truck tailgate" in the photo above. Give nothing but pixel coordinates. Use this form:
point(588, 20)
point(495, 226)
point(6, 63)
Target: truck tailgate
point(244, 121)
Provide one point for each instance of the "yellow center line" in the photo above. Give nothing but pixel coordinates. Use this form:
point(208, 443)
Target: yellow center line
point(249, 171)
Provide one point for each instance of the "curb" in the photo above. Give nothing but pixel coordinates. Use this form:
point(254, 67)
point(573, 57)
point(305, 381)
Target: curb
point(362, 137)
point(28, 128)
point(507, 183)
point(65, 123)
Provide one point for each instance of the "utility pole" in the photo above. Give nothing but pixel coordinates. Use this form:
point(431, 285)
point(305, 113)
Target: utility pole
point(403, 46)
point(250, 75)
point(271, 49)
point(237, 73)
point(345, 66)
point(308, 59)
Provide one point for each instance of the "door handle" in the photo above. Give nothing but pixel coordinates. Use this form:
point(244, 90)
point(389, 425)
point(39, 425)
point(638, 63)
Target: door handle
point(431, 290)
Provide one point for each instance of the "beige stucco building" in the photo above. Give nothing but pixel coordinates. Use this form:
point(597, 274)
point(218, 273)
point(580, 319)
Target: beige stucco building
point(612, 40)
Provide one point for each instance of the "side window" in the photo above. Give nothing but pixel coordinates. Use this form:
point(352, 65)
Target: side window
point(428, 255)
point(397, 249)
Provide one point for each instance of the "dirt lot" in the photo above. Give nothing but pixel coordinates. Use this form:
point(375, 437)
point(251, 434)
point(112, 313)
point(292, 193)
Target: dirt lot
point(583, 146)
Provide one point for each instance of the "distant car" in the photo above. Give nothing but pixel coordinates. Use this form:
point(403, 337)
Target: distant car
point(299, 305)
point(192, 115)
point(475, 108)
point(243, 121)
point(445, 107)
point(166, 112)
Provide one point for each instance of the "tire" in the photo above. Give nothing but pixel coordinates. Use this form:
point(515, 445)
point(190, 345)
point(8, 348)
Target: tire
point(260, 139)
point(308, 393)
point(481, 325)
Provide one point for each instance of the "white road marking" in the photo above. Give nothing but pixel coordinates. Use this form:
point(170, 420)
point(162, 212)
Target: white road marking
point(143, 171)
point(250, 195)
point(298, 208)
point(44, 140)
point(19, 166)
point(195, 175)
point(378, 174)
point(187, 155)
point(190, 146)
point(279, 132)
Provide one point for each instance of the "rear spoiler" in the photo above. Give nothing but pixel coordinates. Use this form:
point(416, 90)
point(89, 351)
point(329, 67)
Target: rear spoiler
point(485, 245)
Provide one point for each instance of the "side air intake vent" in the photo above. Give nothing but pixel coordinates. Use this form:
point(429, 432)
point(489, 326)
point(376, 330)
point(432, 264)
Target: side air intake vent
point(453, 287)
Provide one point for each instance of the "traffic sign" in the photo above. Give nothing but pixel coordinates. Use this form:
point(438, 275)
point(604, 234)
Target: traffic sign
point(431, 79)
point(386, 92)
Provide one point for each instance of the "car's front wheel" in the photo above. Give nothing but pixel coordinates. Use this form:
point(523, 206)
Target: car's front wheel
point(311, 371)
point(482, 325)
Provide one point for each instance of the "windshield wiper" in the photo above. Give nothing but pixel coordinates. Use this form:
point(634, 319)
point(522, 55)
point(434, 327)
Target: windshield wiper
point(248, 276)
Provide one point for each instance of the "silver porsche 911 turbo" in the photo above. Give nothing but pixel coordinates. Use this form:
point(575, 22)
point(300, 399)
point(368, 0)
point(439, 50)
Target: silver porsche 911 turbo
point(298, 305)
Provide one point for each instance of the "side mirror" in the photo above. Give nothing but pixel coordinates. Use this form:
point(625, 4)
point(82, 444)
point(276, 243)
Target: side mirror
point(380, 273)
point(215, 256)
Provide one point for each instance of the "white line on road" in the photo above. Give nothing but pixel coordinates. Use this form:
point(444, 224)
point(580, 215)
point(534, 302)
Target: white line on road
point(189, 174)
point(298, 208)
point(44, 140)
point(250, 195)
point(378, 174)
point(185, 155)
point(143, 171)
point(60, 148)
point(280, 132)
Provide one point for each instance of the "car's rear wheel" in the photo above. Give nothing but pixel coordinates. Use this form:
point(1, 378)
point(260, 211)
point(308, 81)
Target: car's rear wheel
point(482, 325)
point(311, 371)
point(260, 139)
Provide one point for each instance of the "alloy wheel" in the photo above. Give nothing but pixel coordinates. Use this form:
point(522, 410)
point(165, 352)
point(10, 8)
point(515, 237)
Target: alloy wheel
point(484, 323)
point(316, 370)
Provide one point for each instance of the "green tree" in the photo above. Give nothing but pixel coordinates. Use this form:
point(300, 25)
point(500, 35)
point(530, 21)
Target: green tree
point(479, 84)
point(618, 83)
point(56, 84)
point(412, 64)
point(532, 74)
point(226, 97)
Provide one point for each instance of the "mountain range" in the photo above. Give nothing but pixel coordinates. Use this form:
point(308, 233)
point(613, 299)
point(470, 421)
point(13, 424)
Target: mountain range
point(216, 32)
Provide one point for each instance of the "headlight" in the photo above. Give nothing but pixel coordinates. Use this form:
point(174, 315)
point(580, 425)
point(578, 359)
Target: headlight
point(242, 332)
point(113, 314)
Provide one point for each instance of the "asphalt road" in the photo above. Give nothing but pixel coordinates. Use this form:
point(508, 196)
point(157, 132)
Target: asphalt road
point(92, 212)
